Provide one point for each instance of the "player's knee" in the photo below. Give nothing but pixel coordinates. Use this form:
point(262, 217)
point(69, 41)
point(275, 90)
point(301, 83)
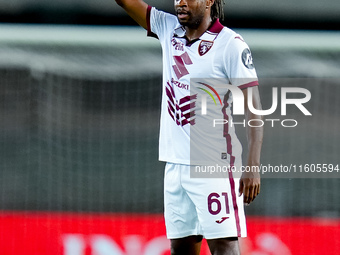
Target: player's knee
point(186, 246)
point(224, 246)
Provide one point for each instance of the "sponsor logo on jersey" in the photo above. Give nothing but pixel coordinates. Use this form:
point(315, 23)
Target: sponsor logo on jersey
point(247, 59)
point(221, 220)
point(181, 111)
point(204, 47)
point(239, 37)
point(180, 63)
point(177, 45)
point(179, 84)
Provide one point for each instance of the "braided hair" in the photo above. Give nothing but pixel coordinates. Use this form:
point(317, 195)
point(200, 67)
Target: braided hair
point(217, 10)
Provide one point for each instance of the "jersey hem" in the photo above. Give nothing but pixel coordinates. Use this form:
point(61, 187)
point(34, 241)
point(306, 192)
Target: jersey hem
point(222, 235)
point(181, 235)
point(173, 161)
point(209, 236)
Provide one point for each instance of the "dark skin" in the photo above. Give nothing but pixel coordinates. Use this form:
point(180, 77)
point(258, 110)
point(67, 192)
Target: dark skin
point(250, 181)
point(194, 15)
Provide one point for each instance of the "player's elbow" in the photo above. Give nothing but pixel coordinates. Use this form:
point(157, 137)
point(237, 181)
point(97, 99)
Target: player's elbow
point(120, 2)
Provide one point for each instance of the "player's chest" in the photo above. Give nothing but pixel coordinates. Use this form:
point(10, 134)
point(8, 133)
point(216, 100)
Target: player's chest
point(194, 59)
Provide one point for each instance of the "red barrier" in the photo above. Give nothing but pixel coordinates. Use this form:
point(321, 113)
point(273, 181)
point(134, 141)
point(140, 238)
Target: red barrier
point(144, 234)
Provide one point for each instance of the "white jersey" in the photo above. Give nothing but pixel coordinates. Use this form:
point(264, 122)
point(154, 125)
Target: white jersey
point(218, 53)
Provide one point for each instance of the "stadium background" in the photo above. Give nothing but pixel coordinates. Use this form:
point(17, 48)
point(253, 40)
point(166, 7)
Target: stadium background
point(80, 95)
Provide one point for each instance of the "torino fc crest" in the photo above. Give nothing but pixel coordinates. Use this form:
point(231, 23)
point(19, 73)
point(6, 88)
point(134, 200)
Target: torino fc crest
point(204, 47)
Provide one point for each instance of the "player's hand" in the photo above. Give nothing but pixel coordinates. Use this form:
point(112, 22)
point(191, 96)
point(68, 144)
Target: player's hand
point(250, 183)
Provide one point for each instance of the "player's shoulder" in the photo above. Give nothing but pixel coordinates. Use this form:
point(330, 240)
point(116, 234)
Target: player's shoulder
point(161, 23)
point(159, 14)
point(232, 38)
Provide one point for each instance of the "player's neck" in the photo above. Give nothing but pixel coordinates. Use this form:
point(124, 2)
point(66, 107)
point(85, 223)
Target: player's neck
point(195, 33)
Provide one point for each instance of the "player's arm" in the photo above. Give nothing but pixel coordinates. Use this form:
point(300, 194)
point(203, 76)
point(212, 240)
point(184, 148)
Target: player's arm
point(250, 181)
point(136, 9)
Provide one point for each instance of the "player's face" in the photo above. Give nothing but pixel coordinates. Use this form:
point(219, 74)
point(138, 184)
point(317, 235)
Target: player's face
point(190, 13)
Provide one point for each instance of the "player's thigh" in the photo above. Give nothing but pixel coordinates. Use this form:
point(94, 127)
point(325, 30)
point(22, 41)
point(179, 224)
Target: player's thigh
point(224, 246)
point(219, 208)
point(180, 213)
point(190, 245)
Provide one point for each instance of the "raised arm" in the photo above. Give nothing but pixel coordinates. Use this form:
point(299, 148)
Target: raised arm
point(250, 181)
point(136, 9)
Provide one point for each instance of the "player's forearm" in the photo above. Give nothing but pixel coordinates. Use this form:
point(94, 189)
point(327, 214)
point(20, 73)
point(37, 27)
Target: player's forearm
point(254, 149)
point(255, 138)
point(136, 9)
point(255, 132)
point(250, 181)
point(124, 3)
point(130, 4)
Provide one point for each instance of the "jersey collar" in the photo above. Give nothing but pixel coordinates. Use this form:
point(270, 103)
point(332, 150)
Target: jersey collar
point(210, 34)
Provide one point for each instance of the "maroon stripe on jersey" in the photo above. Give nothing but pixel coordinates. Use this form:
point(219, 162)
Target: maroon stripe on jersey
point(170, 93)
point(171, 89)
point(233, 194)
point(187, 98)
point(171, 112)
point(184, 122)
point(250, 84)
point(148, 13)
point(170, 97)
point(189, 115)
point(188, 106)
point(171, 107)
point(228, 139)
point(232, 163)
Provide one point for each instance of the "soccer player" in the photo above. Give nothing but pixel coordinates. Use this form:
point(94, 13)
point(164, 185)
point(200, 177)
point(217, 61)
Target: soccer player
point(196, 45)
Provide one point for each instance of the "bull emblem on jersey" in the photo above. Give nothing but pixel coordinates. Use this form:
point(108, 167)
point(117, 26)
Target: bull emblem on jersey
point(204, 47)
point(181, 111)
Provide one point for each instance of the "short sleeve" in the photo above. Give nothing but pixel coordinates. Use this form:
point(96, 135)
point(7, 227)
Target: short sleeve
point(160, 23)
point(238, 63)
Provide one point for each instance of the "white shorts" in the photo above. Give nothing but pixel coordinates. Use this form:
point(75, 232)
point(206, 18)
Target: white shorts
point(201, 206)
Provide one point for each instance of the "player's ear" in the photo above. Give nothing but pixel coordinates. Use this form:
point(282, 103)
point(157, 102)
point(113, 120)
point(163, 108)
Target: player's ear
point(209, 3)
